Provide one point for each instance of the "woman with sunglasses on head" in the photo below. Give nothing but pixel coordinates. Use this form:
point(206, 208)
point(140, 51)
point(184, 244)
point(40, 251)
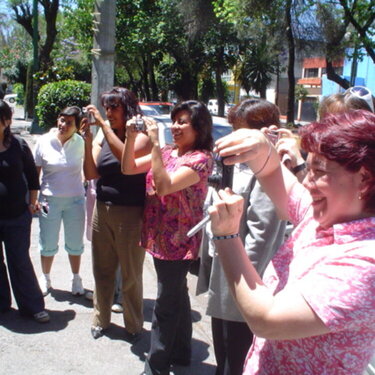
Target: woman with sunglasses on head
point(356, 97)
point(117, 217)
point(176, 186)
point(59, 157)
point(18, 178)
point(313, 312)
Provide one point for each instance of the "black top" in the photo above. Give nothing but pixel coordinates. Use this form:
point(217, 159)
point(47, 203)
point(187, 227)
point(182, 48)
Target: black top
point(18, 175)
point(113, 187)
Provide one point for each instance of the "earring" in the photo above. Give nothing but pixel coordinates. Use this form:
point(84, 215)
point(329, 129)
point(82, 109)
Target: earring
point(360, 196)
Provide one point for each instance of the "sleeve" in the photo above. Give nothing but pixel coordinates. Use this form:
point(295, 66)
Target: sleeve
point(29, 168)
point(298, 203)
point(261, 228)
point(37, 154)
point(342, 290)
point(199, 162)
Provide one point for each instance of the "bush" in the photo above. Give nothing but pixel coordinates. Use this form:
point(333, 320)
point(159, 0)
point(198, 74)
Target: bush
point(20, 91)
point(55, 96)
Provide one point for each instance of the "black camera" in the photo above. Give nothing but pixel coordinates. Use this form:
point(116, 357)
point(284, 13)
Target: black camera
point(44, 207)
point(139, 124)
point(222, 176)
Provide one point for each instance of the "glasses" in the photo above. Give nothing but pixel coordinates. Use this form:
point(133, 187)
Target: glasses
point(363, 93)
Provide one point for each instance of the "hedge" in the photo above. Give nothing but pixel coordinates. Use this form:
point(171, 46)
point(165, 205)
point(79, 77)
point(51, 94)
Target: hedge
point(55, 96)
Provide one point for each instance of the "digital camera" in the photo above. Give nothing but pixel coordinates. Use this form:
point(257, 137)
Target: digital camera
point(139, 124)
point(222, 176)
point(273, 136)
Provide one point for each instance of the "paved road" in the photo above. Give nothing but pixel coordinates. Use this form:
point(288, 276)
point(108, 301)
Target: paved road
point(65, 345)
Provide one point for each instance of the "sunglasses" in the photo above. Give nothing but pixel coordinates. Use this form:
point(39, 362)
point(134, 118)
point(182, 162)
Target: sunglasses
point(363, 93)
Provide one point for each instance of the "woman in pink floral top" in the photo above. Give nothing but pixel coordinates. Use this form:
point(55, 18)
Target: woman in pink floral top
point(313, 312)
point(176, 187)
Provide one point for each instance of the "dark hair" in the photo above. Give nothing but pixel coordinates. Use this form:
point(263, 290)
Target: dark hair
point(348, 139)
point(201, 121)
point(125, 98)
point(73, 111)
point(6, 114)
point(338, 103)
point(255, 114)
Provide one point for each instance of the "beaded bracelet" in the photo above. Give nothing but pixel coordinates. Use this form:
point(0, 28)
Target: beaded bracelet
point(217, 238)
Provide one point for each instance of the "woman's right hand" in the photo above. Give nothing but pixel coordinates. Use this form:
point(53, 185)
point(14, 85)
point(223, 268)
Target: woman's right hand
point(226, 213)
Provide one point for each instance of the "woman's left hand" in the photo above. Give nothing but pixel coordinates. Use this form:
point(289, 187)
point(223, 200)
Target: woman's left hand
point(226, 213)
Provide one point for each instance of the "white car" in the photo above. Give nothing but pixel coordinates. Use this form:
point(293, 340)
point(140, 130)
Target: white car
point(11, 99)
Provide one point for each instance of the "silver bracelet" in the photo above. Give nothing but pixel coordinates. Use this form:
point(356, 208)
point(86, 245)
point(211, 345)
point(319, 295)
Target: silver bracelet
point(217, 238)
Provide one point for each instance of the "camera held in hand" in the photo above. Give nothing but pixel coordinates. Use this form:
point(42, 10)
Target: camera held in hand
point(88, 115)
point(223, 174)
point(139, 124)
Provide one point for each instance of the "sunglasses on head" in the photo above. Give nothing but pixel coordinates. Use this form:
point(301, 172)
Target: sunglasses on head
point(363, 93)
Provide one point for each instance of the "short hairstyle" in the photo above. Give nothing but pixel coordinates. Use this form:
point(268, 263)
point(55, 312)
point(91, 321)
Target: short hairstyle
point(6, 114)
point(255, 114)
point(201, 122)
point(73, 111)
point(348, 139)
point(338, 103)
point(125, 98)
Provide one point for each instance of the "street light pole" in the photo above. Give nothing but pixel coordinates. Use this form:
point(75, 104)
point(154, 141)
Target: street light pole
point(103, 61)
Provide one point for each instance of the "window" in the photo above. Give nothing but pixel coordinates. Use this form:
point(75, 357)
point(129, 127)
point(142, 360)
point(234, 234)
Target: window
point(311, 72)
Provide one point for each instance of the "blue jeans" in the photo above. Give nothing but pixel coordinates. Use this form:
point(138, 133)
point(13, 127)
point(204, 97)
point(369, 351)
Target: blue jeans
point(71, 211)
point(15, 236)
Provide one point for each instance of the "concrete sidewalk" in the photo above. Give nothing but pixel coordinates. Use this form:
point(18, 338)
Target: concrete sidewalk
point(65, 345)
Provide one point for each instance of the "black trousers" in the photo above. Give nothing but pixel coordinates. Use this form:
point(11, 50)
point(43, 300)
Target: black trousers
point(232, 341)
point(15, 236)
point(171, 330)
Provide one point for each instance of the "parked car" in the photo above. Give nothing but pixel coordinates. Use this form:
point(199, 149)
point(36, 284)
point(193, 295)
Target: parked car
point(163, 108)
point(10, 99)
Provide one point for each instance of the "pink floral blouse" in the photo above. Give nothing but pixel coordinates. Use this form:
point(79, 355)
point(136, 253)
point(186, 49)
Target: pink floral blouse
point(334, 270)
point(167, 219)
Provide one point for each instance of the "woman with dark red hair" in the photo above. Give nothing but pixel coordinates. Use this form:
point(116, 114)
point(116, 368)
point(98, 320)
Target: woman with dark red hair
point(313, 312)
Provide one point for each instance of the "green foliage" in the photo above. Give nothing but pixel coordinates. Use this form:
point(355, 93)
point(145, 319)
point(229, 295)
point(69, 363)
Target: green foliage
point(19, 89)
point(300, 92)
point(53, 97)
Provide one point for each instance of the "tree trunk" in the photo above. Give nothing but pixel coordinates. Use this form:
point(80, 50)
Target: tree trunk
point(291, 60)
point(154, 87)
point(219, 83)
point(333, 76)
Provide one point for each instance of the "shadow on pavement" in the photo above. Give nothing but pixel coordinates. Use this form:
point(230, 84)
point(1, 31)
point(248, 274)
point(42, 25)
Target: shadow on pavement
point(60, 295)
point(14, 322)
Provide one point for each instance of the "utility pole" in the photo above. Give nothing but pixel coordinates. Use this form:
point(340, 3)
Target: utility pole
point(103, 51)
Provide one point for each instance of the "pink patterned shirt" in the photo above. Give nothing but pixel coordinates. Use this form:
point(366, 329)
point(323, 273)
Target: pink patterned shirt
point(334, 270)
point(167, 219)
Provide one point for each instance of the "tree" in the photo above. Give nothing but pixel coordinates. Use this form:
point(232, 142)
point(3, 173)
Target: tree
point(361, 15)
point(23, 15)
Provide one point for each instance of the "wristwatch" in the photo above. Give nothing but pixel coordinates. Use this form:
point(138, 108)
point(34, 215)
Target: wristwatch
point(299, 168)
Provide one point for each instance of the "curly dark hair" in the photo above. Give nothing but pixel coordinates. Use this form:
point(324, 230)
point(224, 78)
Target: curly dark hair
point(125, 98)
point(201, 122)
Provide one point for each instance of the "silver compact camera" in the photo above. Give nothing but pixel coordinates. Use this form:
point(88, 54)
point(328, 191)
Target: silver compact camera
point(139, 124)
point(273, 136)
point(88, 115)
